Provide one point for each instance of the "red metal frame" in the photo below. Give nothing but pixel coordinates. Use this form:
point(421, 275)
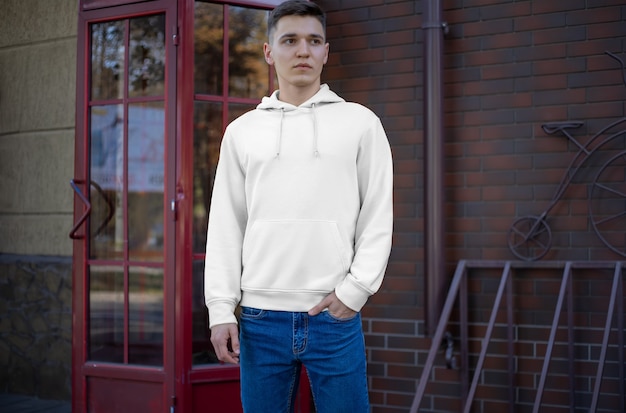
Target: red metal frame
point(82, 369)
point(178, 376)
point(197, 377)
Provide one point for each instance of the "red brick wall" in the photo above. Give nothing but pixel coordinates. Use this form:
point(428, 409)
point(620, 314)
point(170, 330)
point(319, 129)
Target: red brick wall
point(510, 66)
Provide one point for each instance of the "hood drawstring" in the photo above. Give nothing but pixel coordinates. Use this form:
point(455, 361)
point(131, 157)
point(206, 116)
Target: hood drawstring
point(316, 152)
point(279, 139)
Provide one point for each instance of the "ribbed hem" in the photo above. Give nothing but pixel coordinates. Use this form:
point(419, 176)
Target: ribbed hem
point(282, 300)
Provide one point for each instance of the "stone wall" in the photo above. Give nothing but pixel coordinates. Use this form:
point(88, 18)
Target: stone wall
point(36, 326)
point(37, 111)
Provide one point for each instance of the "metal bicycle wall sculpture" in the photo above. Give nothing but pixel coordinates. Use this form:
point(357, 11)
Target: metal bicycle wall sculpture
point(530, 237)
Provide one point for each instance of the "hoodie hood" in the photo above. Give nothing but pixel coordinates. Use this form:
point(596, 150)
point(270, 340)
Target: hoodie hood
point(322, 97)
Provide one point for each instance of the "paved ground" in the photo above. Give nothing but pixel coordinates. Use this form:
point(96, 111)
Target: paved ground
point(12, 403)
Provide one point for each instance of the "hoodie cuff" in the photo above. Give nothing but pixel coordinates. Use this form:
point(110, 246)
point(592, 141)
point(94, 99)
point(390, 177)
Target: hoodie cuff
point(221, 313)
point(352, 294)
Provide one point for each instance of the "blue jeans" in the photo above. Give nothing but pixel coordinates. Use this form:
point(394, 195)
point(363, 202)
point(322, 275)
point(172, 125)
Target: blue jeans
point(276, 344)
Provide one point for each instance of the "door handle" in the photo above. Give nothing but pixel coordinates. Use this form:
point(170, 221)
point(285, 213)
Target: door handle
point(110, 208)
point(73, 232)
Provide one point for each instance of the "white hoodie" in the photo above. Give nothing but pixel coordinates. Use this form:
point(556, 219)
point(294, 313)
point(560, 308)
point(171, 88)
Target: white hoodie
point(301, 207)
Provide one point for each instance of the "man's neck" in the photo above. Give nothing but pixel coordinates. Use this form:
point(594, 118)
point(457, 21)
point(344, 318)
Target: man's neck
point(297, 95)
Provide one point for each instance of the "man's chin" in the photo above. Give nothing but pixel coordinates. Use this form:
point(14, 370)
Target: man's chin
point(304, 81)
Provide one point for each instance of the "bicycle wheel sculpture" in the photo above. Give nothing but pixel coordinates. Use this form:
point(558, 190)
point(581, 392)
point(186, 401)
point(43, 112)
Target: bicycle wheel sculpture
point(607, 204)
point(530, 238)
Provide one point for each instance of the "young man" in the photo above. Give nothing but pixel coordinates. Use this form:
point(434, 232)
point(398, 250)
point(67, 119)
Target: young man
point(299, 230)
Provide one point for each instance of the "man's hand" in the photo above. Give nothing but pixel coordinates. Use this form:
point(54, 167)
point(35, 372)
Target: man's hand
point(335, 306)
point(225, 339)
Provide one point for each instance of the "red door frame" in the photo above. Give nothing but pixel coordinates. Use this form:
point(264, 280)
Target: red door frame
point(82, 369)
point(217, 385)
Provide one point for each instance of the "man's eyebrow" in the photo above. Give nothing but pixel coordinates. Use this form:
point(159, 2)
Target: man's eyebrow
point(312, 35)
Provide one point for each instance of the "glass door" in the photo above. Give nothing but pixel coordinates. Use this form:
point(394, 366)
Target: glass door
point(124, 269)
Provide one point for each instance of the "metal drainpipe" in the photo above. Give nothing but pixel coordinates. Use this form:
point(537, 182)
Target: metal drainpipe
point(434, 259)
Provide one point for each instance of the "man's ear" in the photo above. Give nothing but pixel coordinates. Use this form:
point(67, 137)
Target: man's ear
point(327, 46)
point(267, 52)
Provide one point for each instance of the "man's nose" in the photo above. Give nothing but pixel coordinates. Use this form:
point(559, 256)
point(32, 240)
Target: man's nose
point(303, 48)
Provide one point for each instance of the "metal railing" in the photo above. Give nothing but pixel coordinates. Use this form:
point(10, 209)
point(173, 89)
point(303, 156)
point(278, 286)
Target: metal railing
point(458, 292)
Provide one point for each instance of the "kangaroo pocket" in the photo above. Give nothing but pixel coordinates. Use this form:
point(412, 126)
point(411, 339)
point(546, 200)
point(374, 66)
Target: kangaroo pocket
point(293, 255)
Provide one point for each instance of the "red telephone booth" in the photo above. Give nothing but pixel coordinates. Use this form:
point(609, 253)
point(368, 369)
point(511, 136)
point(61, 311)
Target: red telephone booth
point(157, 82)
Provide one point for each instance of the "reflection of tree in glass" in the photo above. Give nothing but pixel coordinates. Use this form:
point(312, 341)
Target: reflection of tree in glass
point(209, 48)
point(147, 56)
point(107, 59)
point(248, 71)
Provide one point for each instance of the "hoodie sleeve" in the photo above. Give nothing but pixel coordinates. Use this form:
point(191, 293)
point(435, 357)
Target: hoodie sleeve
point(375, 221)
point(227, 222)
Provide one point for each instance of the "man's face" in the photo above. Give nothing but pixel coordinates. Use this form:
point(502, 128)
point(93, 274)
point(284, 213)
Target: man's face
point(298, 51)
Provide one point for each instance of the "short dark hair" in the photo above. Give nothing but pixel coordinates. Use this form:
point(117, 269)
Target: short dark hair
point(295, 8)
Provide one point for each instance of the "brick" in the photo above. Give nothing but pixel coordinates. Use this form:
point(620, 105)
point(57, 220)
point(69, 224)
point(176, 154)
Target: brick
point(540, 21)
point(517, 100)
point(509, 40)
point(482, 28)
point(403, 371)
point(510, 9)
point(562, 34)
point(485, 87)
point(394, 384)
point(490, 178)
point(489, 117)
point(606, 30)
point(362, 28)
point(591, 16)
point(547, 82)
point(395, 327)
point(593, 47)
point(540, 52)
point(394, 10)
point(557, 6)
point(553, 97)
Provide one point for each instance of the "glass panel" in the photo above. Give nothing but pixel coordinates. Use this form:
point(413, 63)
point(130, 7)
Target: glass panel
point(146, 75)
point(145, 316)
point(106, 314)
point(202, 349)
point(209, 48)
point(146, 138)
point(107, 174)
point(107, 60)
point(248, 72)
point(207, 137)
